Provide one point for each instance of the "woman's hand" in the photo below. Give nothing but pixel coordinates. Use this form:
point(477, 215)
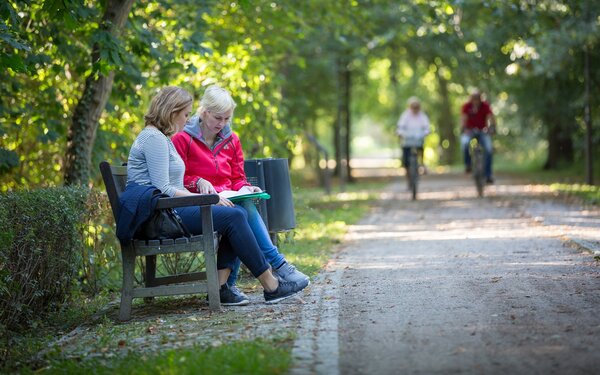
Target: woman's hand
point(254, 189)
point(225, 202)
point(205, 187)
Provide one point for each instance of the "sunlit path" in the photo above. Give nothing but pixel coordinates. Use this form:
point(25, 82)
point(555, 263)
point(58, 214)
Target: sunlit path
point(456, 284)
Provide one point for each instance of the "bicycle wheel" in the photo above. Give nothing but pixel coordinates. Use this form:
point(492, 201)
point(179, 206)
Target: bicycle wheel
point(413, 173)
point(478, 170)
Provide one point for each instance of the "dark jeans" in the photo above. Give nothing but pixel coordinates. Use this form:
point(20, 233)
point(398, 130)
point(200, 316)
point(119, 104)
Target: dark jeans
point(406, 153)
point(238, 241)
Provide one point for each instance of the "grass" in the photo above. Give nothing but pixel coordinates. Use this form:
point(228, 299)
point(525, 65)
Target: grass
point(245, 357)
point(567, 181)
point(322, 222)
point(170, 344)
point(18, 350)
point(588, 193)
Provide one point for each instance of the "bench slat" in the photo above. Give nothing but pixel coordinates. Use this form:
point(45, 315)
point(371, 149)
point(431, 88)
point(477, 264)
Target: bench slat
point(182, 278)
point(170, 290)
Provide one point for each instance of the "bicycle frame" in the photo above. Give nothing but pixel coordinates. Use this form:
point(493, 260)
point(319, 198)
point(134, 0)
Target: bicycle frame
point(412, 165)
point(413, 171)
point(477, 162)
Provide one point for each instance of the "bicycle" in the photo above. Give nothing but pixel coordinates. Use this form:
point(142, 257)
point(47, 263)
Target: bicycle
point(477, 161)
point(412, 167)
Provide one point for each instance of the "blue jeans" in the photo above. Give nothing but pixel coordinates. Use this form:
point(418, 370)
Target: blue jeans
point(238, 241)
point(257, 225)
point(486, 142)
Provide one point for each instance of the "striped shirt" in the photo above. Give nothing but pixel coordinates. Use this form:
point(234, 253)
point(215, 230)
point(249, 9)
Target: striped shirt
point(153, 160)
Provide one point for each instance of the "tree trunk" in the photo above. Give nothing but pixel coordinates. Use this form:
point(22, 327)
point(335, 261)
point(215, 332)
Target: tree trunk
point(560, 146)
point(342, 126)
point(337, 142)
point(347, 121)
point(82, 132)
point(587, 116)
point(447, 137)
point(394, 82)
point(338, 139)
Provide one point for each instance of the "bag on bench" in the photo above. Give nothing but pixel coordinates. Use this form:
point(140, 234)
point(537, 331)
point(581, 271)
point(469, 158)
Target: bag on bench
point(163, 224)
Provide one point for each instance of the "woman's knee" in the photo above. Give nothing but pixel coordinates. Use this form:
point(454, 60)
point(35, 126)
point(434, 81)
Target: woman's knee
point(230, 215)
point(464, 140)
point(250, 209)
point(487, 143)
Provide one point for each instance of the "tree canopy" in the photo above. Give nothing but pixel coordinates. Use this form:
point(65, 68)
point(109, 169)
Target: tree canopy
point(336, 69)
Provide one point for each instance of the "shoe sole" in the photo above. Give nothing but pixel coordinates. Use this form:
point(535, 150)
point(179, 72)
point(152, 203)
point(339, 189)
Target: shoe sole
point(273, 301)
point(241, 303)
point(292, 281)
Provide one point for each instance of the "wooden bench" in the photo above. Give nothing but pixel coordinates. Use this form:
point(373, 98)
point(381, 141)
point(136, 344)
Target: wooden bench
point(115, 180)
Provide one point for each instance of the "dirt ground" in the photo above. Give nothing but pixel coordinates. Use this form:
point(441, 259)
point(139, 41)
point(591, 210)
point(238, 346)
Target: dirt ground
point(455, 284)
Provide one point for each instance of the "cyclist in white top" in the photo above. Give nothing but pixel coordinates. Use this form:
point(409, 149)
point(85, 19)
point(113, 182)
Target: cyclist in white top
point(412, 127)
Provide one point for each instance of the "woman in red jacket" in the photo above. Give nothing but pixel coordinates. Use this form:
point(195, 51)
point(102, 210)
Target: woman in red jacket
point(214, 162)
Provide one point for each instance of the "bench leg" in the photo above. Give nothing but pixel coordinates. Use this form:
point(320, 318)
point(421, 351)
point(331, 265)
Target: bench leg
point(150, 274)
point(212, 279)
point(128, 276)
point(210, 259)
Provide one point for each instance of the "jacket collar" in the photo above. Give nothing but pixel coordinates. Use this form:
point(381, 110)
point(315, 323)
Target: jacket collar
point(193, 128)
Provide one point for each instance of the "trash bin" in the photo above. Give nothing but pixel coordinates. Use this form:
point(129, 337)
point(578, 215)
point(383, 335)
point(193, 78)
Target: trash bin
point(273, 176)
point(256, 176)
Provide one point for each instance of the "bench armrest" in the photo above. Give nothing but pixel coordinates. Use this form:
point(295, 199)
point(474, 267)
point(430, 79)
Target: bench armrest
point(191, 200)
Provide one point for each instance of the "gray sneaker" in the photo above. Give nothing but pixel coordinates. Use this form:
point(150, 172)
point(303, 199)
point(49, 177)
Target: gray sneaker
point(288, 272)
point(286, 289)
point(237, 291)
point(232, 296)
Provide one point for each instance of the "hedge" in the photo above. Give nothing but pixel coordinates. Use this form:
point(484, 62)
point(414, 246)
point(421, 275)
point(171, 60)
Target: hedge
point(40, 250)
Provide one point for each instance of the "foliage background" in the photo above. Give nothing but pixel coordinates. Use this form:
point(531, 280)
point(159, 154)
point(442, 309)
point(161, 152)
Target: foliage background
point(341, 70)
point(282, 59)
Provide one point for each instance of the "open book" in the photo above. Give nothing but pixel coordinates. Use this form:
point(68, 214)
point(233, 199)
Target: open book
point(243, 194)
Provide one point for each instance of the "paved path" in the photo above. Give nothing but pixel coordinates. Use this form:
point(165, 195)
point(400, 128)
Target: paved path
point(455, 284)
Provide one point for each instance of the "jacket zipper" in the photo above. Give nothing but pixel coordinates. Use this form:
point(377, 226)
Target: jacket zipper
point(217, 151)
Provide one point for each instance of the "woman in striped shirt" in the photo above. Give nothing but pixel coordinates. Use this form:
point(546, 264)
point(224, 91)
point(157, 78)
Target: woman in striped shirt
point(154, 161)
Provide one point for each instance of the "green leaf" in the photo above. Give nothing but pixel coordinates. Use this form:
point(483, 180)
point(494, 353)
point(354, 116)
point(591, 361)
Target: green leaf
point(13, 62)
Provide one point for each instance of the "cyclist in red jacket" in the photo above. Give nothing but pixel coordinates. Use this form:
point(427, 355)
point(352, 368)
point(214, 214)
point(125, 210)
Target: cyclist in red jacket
point(478, 122)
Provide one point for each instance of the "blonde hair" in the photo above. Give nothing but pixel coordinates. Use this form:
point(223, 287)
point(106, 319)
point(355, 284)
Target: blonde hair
point(164, 106)
point(217, 100)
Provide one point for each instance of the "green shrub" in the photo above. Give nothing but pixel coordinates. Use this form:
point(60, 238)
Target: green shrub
point(100, 268)
point(40, 248)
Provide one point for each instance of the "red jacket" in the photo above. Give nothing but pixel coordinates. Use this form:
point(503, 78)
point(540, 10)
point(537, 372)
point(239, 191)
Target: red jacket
point(222, 166)
point(476, 118)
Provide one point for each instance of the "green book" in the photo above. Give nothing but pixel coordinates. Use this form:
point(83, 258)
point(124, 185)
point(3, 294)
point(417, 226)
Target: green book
point(245, 196)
